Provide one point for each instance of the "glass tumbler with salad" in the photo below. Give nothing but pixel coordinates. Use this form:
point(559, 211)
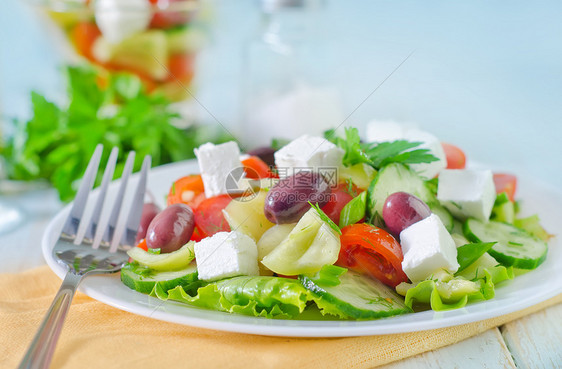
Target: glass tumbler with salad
point(155, 39)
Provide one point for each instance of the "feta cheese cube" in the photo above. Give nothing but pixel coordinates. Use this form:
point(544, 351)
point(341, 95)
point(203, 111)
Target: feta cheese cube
point(119, 19)
point(387, 131)
point(226, 254)
point(467, 192)
point(307, 153)
point(216, 163)
point(427, 247)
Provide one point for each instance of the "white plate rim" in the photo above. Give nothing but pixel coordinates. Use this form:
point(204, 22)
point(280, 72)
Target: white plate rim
point(97, 287)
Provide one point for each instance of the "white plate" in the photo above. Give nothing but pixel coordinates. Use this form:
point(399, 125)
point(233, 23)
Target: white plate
point(524, 291)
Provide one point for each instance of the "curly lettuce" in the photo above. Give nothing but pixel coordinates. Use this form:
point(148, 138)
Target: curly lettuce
point(444, 291)
point(270, 297)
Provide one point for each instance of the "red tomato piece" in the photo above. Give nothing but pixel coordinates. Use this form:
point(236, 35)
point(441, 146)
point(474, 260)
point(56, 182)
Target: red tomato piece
point(506, 183)
point(84, 35)
point(209, 218)
point(339, 197)
point(373, 251)
point(187, 190)
point(196, 235)
point(180, 67)
point(142, 244)
point(456, 159)
point(255, 168)
point(165, 19)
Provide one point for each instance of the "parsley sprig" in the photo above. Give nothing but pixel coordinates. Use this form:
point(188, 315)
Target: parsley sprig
point(378, 154)
point(57, 142)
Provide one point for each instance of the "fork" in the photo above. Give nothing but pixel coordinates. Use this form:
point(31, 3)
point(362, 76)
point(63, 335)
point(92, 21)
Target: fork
point(97, 250)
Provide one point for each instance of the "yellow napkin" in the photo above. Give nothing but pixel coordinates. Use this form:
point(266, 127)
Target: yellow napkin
point(99, 336)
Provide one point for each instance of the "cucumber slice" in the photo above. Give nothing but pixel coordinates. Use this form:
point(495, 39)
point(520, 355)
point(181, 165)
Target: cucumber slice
point(443, 214)
point(185, 40)
point(358, 296)
point(503, 210)
point(514, 246)
point(145, 52)
point(390, 179)
point(164, 262)
point(143, 279)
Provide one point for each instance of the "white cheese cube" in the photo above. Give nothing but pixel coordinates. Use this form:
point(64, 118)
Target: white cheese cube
point(467, 192)
point(119, 19)
point(427, 247)
point(308, 153)
point(226, 254)
point(387, 131)
point(216, 163)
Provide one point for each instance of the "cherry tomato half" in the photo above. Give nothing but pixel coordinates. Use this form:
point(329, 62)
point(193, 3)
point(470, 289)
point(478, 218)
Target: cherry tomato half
point(256, 168)
point(506, 183)
point(84, 35)
point(209, 218)
point(373, 251)
point(456, 159)
point(181, 68)
point(187, 190)
point(339, 197)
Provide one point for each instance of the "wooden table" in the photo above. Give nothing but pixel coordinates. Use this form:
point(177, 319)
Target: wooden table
point(534, 341)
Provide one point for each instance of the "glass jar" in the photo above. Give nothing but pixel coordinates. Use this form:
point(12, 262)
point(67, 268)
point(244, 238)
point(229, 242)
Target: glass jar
point(157, 40)
point(289, 89)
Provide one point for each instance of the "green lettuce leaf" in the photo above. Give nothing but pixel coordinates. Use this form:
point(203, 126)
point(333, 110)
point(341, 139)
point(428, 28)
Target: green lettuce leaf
point(329, 275)
point(469, 253)
point(486, 263)
point(270, 297)
point(443, 291)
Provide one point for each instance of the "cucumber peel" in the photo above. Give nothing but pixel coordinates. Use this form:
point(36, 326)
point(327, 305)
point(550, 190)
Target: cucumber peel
point(393, 178)
point(144, 280)
point(515, 247)
point(164, 262)
point(356, 296)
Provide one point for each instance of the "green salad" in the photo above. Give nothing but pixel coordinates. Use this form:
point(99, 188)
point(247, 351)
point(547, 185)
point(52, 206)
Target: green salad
point(344, 227)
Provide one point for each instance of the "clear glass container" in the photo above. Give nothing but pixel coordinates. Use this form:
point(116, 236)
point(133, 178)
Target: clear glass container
point(157, 40)
point(289, 63)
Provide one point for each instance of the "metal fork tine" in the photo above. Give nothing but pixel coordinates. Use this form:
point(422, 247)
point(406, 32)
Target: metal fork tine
point(118, 203)
point(72, 223)
point(135, 212)
point(107, 177)
point(80, 260)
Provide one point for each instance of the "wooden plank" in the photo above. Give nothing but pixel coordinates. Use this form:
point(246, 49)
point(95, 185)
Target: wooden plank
point(535, 341)
point(487, 350)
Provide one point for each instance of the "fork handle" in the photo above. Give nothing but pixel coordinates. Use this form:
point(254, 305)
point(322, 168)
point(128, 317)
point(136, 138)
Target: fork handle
point(40, 352)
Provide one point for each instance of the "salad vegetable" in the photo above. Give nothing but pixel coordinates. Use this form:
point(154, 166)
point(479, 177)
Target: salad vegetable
point(153, 39)
point(58, 141)
point(377, 241)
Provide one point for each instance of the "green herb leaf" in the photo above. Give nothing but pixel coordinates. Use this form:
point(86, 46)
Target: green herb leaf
point(385, 153)
point(378, 154)
point(354, 210)
point(329, 275)
point(469, 253)
point(325, 218)
point(58, 141)
point(354, 153)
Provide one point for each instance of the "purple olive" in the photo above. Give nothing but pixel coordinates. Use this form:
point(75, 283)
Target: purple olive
point(171, 228)
point(401, 210)
point(149, 211)
point(289, 199)
point(265, 153)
